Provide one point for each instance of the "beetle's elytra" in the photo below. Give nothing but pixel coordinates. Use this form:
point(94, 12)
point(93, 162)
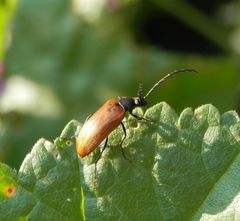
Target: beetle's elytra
point(99, 125)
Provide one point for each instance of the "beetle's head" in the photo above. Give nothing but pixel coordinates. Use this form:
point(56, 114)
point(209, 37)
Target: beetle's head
point(129, 103)
point(139, 101)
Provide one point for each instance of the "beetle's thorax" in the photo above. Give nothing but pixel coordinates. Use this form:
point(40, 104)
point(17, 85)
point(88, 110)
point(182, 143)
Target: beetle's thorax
point(129, 103)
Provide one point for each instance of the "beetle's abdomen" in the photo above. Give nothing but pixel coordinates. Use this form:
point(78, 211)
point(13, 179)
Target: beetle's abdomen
point(99, 126)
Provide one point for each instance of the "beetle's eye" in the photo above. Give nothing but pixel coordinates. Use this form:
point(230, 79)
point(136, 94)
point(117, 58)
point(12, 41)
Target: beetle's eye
point(137, 101)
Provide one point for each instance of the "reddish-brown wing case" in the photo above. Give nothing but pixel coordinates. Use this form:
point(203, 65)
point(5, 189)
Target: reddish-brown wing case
point(99, 126)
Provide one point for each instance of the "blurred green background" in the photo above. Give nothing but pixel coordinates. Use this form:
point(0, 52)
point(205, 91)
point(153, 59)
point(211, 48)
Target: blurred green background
point(61, 59)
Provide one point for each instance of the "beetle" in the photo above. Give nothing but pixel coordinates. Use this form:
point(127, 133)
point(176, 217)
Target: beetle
point(109, 116)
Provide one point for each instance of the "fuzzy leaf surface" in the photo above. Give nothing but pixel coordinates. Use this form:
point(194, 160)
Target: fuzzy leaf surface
point(181, 168)
point(47, 186)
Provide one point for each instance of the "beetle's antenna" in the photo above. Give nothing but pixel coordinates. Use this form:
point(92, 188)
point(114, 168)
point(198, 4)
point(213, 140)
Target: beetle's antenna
point(166, 77)
point(140, 90)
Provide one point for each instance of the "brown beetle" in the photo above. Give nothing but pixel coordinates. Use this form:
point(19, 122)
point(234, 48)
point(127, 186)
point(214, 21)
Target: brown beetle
point(99, 125)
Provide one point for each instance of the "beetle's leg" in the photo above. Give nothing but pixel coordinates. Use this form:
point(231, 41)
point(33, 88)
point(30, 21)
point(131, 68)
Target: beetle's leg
point(138, 117)
point(123, 138)
point(104, 146)
point(142, 118)
point(99, 156)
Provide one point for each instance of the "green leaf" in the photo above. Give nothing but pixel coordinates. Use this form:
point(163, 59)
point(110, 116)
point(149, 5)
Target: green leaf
point(181, 167)
point(47, 187)
point(223, 200)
